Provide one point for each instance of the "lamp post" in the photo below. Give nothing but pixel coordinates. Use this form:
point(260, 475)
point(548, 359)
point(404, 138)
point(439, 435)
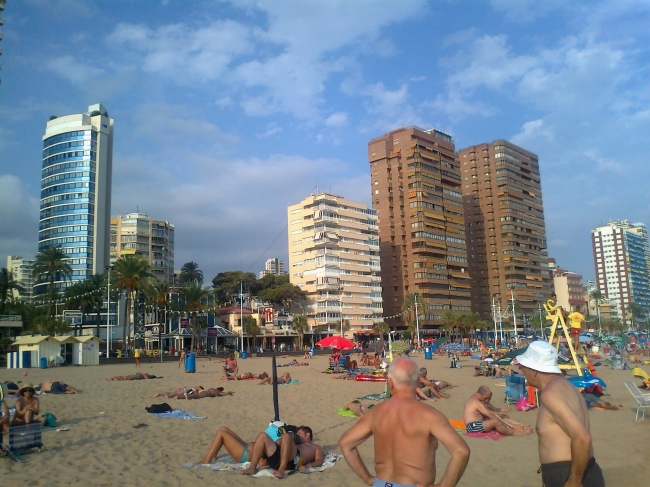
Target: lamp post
point(417, 321)
point(241, 313)
point(108, 313)
point(341, 304)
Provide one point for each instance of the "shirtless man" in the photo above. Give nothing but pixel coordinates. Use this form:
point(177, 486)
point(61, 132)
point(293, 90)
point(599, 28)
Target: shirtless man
point(565, 449)
point(201, 393)
point(234, 445)
point(181, 359)
point(481, 416)
point(247, 376)
point(285, 379)
point(405, 450)
point(357, 408)
point(27, 406)
point(230, 368)
point(432, 387)
point(295, 452)
point(58, 387)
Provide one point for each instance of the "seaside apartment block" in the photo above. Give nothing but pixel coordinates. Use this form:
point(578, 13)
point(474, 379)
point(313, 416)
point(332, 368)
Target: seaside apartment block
point(334, 257)
point(568, 287)
point(21, 270)
point(415, 183)
point(273, 266)
point(621, 257)
point(504, 222)
point(140, 235)
point(75, 203)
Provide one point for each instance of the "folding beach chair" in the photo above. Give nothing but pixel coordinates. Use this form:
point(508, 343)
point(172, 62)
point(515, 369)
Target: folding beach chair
point(22, 437)
point(642, 400)
point(515, 388)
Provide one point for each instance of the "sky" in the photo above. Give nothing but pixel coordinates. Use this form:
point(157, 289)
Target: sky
point(226, 112)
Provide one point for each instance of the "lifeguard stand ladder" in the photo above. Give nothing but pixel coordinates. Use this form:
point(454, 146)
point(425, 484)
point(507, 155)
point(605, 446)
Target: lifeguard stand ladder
point(555, 314)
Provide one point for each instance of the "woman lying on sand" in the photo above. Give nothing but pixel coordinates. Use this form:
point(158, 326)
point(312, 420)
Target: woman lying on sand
point(136, 376)
point(357, 408)
point(285, 379)
point(248, 376)
point(201, 393)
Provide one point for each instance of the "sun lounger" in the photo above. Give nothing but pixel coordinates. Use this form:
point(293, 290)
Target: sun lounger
point(643, 400)
point(22, 437)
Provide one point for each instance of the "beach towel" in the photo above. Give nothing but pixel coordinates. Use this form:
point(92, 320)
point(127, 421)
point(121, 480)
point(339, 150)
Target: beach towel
point(458, 425)
point(178, 414)
point(373, 397)
point(346, 413)
point(291, 382)
point(493, 435)
point(225, 462)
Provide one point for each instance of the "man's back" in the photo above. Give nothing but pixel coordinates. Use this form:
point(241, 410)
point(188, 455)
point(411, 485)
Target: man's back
point(404, 445)
point(559, 397)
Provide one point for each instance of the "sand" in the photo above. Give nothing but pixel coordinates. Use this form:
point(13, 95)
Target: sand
point(102, 448)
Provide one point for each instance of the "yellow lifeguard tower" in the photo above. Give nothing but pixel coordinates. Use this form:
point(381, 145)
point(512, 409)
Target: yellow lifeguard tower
point(556, 315)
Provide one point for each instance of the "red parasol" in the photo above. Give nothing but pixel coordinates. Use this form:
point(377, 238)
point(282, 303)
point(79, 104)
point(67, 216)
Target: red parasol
point(336, 342)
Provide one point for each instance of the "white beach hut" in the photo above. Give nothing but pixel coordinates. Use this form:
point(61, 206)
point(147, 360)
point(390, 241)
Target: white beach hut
point(86, 350)
point(32, 348)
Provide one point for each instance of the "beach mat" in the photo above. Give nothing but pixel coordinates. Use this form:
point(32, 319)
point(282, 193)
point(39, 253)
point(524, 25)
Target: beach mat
point(493, 435)
point(178, 414)
point(225, 462)
point(345, 413)
point(291, 382)
point(373, 397)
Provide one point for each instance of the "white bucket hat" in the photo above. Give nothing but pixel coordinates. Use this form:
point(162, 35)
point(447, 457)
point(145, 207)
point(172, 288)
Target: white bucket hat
point(540, 356)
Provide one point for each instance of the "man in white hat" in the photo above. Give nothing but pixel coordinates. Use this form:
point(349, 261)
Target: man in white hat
point(565, 449)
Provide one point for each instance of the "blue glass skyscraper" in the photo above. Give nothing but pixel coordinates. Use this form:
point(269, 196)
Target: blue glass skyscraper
point(76, 190)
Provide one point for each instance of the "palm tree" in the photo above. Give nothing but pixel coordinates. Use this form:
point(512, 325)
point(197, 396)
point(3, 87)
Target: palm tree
point(471, 321)
point(194, 294)
point(51, 265)
point(7, 286)
point(636, 311)
point(301, 326)
point(251, 329)
point(598, 296)
point(87, 295)
point(160, 292)
point(448, 321)
point(133, 274)
point(409, 305)
point(381, 329)
point(190, 272)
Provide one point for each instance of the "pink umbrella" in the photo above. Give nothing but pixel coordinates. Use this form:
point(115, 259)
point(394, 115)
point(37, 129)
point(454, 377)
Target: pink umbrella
point(336, 342)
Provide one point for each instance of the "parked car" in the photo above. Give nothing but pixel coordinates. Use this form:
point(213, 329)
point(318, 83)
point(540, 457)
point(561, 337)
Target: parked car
point(113, 354)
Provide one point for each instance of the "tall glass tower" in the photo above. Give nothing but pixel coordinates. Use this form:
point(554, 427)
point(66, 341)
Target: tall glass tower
point(76, 190)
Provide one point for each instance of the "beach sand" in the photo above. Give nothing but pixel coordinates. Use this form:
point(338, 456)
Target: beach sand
point(102, 448)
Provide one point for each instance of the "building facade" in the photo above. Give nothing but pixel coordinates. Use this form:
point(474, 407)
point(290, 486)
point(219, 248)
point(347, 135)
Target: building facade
point(75, 200)
point(140, 235)
point(504, 221)
point(273, 266)
point(621, 262)
point(568, 287)
point(21, 270)
point(334, 257)
point(415, 183)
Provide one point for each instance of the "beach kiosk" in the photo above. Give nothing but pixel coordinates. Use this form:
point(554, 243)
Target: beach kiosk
point(86, 350)
point(30, 351)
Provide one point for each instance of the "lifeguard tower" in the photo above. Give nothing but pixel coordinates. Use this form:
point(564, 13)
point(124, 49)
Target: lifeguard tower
point(556, 315)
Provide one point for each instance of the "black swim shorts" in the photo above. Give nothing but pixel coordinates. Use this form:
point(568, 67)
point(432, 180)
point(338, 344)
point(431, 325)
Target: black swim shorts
point(556, 474)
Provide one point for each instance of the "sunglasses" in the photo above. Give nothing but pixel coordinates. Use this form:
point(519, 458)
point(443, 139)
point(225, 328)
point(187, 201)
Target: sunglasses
point(485, 397)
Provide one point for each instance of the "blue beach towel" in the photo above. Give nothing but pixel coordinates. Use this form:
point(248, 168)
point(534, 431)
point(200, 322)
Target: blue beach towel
point(178, 414)
point(291, 382)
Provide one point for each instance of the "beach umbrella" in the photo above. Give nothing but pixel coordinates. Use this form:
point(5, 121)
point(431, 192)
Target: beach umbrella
point(400, 346)
point(441, 340)
point(509, 357)
point(336, 342)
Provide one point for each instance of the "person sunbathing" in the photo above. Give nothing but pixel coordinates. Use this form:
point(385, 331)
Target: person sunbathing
point(178, 392)
point(239, 450)
point(57, 387)
point(27, 406)
point(285, 379)
point(294, 362)
point(595, 402)
point(12, 388)
point(201, 393)
point(481, 416)
point(136, 376)
point(357, 408)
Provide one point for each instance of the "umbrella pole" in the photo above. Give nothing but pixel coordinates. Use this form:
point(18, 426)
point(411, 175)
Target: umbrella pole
point(276, 406)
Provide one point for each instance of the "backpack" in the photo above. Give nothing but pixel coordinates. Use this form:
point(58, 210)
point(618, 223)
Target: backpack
point(50, 420)
point(159, 408)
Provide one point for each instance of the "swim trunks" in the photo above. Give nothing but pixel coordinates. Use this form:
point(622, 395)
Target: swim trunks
point(475, 427)
point(383, 483)
point(58, 388)
point(556, 474)
point(274, 461)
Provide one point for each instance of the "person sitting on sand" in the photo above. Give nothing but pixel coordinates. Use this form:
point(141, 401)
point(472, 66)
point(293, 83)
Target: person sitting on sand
point(285, 379)
point(57, 387)
point(239, 450)
point(357, 408)
point(431, 388)
point(230, 368)
point(201, 393)
point(481, 416)
point(350, 364)
point(27, 406)
point(307, 354)
point(594, 401)
point(364, 359)
point(290, 452)
point(136, 376)
point(335, 360)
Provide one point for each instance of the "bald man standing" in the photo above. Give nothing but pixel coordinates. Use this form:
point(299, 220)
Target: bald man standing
point(406, 437)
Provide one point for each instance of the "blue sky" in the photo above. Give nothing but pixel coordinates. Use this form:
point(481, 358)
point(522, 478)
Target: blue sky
point(228, 111)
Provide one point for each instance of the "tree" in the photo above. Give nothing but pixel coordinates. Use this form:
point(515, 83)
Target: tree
point(637, 313)
point(251, 330)
point(194, 294)
point(159, 292)
point(226, 284)
point(132, 275)
point(598, 297)
point(448, 322)
point(471, 322)
point(190, 272)
point(301, 326)
point(408, 308)
point(7, 286)
point(380, 329)
point(51, 264)
point(87, 295)
point(280, 292)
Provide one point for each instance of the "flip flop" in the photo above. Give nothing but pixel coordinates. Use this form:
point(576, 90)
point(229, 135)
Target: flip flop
point(141, 425)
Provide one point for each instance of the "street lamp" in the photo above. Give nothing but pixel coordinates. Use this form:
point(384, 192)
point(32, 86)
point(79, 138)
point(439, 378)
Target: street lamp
point(241, 312)
point(341, 304)
point(109, 268)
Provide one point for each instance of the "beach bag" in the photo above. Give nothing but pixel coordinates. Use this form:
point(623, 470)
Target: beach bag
point(159, 408)
point(50, 420)
point(522, 404)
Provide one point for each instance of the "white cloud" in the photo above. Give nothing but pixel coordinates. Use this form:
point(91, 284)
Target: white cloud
point(337, 119)
point(533, 132)
point(272, 129)
point(527, 10)
point(72, 70)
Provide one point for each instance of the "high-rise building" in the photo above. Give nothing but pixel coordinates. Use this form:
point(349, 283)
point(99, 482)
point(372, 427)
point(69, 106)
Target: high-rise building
point(621, 261)
point(334, 258)
point(76, 190)
point(568, 287)
point(140, 235)
point(21, 270)
point(504, 220)
point(415, 182)
point(273, 266)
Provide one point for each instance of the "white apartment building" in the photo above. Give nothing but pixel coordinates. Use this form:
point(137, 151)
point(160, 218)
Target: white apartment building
point(334, 257)
point(139, 234)
point(621, 262)
point(21, 270)
point(273, 266)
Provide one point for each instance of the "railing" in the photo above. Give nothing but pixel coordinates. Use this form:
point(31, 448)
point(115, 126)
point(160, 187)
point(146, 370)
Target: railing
point(11, 318)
